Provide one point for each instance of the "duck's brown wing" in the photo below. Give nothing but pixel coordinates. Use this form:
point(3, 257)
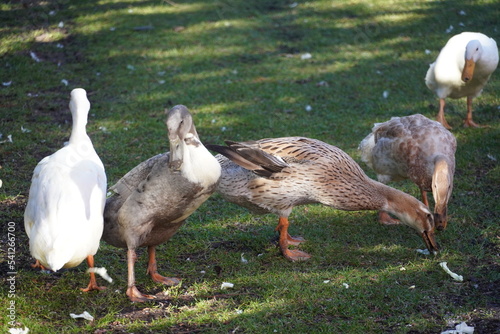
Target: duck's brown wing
point(249, 156)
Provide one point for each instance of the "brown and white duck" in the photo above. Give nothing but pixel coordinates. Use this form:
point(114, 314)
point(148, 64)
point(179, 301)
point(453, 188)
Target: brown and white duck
point(462, 69)
point(416, 148)
point(274, 175)
point(153, 200)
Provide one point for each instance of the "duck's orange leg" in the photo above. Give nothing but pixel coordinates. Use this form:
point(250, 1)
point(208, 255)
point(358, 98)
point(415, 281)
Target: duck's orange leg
point(153, 270)
point(283, 224)
point(468, 122)
point(132, 292)
point(440, 116)
point(93, 283)
point(285, 240)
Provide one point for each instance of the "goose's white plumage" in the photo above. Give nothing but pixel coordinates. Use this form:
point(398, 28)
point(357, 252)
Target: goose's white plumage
point(64, 214)
point(416, 148)
point(462, 69)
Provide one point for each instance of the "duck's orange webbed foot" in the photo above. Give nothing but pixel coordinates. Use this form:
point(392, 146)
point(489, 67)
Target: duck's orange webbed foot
point(294, 241)
point(444, 123)
point(93, 283)
point(136, 296)
point(295, 255)
point(169, 281)
point(286, 240)
point(38, 265)
point(153, 270)
point(469, 123)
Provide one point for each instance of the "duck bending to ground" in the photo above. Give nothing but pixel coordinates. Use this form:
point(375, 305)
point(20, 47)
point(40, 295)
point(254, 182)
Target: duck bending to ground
point(416, 148)
point(64, 214)
point(153, 200)
point(274, 175)
point(462, 69)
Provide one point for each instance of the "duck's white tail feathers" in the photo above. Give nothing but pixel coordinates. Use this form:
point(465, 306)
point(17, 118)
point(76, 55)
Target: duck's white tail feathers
point(366, 147)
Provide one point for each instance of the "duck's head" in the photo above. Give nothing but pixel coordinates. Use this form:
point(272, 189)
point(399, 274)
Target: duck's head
point(473, 52)
point(181, 132)
point(423, 222)
point(442, 186)
point(416, 215)
point(429, 236)
point(79, 106)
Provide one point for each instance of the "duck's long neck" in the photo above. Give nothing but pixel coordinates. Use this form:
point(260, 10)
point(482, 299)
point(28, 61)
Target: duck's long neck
point(357, 192)
point(442, 183)
point(79, 141)
point(402, 205)
point(79, 126)
point(198, 164)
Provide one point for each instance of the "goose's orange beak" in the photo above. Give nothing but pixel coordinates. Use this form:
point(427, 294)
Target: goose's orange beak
point(430, 241)
point(468, 71)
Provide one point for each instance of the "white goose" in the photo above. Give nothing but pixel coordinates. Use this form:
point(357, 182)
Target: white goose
point(462, 69)
point(64, 214)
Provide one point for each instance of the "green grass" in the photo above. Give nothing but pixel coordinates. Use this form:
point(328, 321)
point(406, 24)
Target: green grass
point(237, 65)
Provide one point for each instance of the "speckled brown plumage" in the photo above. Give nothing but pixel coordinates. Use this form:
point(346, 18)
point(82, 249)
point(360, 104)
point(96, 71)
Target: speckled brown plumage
point(416, 148)
point(301, 170)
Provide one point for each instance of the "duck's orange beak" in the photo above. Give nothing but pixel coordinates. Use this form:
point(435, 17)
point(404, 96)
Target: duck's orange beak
point(468, 71)
point(430, 241)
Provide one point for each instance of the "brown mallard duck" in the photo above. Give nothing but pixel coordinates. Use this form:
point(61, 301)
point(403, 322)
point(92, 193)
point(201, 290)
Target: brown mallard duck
point(274, 175)
point(153, 200)
point(416, 148)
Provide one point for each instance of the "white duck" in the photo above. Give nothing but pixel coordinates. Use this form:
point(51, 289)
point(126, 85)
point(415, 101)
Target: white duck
point(64, 214)
point(416, 148)
point(462, 69)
